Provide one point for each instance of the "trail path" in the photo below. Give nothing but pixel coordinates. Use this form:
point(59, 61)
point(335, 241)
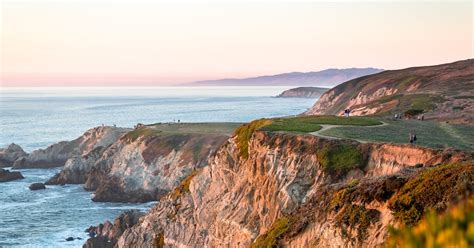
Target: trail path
point(454, 133)
point(327, 127)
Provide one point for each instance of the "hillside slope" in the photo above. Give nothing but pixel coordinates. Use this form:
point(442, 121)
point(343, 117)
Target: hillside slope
point(327, 78)
point(304, 92)
point(442, 92)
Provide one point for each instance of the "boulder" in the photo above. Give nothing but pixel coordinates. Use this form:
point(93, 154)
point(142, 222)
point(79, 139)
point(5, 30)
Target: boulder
point(37, 186)
point(6, 175)
point(10, 154)
point(107, 234)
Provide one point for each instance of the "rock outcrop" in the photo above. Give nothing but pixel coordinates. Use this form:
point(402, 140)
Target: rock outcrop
point(278, 190)
point(6, 175)
point(56, 155)
point(140, 168)
point(442, 92)
point(304, 92)
point(106, 234)
point(37, 186)
point(10, 154)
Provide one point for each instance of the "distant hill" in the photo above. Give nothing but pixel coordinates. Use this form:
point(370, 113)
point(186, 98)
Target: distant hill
point(442, 92)
point(326, 78)
point(304, 92)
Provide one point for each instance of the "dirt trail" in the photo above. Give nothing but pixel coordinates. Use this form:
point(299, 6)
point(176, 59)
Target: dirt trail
point(327, 127)
point(453, 133)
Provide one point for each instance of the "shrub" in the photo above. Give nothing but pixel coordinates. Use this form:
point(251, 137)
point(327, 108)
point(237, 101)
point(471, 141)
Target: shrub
point(272, 236)
point(341, 158)
point(413, 112)
point(357, 216)
point(245, 132)
point(455, 228)
point(183, 187)
point(432, 188)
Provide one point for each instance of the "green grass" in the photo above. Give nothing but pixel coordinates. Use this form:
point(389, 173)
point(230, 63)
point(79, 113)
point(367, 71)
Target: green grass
point(226, 128)
point(271, 237)
point(339, 159)
point(142, 132)
point(429, 133)
point(245, 132)
point(306, 124)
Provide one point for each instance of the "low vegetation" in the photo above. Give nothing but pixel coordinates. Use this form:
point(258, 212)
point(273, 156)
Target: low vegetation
point(183, 186)
point(245, 132)
point(356, 217)
point(338, 159)
point(432, 189)
point(132, 136)
point(455, 228)
point(447, 135)
point(306, 124)
point(273, 235)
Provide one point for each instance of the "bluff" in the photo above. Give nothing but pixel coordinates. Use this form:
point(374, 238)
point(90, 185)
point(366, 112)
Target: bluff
point(300, 191)
point(441, 92)
point(57, 154)
point(142, 165)
point(304, 92)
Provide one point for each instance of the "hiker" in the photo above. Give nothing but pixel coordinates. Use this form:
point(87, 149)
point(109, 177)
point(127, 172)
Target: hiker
point(414, 138)
point(179, 120)
point(396, 116)
point(348, 112)
point(410, 137)
point(422, 117)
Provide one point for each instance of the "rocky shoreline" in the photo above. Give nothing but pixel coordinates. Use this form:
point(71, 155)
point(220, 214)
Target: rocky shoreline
point(6, 175)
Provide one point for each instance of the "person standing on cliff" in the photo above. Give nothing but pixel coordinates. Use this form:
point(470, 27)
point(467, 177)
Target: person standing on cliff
point(410, 137)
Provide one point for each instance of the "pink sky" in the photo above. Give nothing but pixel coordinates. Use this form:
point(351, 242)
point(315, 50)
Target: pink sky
point(90, 43)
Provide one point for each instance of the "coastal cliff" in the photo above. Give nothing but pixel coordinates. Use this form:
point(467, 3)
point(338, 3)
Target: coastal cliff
point(304, 92)
point(57, 154)
point(301, 187)
point(442, 92)
point(141, 166)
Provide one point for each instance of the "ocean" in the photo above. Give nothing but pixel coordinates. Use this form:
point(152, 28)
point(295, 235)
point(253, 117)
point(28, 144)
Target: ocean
point(37, 117)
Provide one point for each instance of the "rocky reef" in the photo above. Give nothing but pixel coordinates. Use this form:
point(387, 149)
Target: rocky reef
point(6, 175)
point(106, 234)
point(57, 154)
point(10, 154)
point(298, 191)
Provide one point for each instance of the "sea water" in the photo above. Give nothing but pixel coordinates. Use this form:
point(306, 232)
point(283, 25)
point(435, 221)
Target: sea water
point(37, 117)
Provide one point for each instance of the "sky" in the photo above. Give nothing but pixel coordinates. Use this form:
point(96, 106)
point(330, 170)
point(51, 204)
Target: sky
point(106, 43)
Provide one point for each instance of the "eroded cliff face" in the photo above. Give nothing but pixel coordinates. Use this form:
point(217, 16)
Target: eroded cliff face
point(57, 154)
point(288, 182)
point(142, 169)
